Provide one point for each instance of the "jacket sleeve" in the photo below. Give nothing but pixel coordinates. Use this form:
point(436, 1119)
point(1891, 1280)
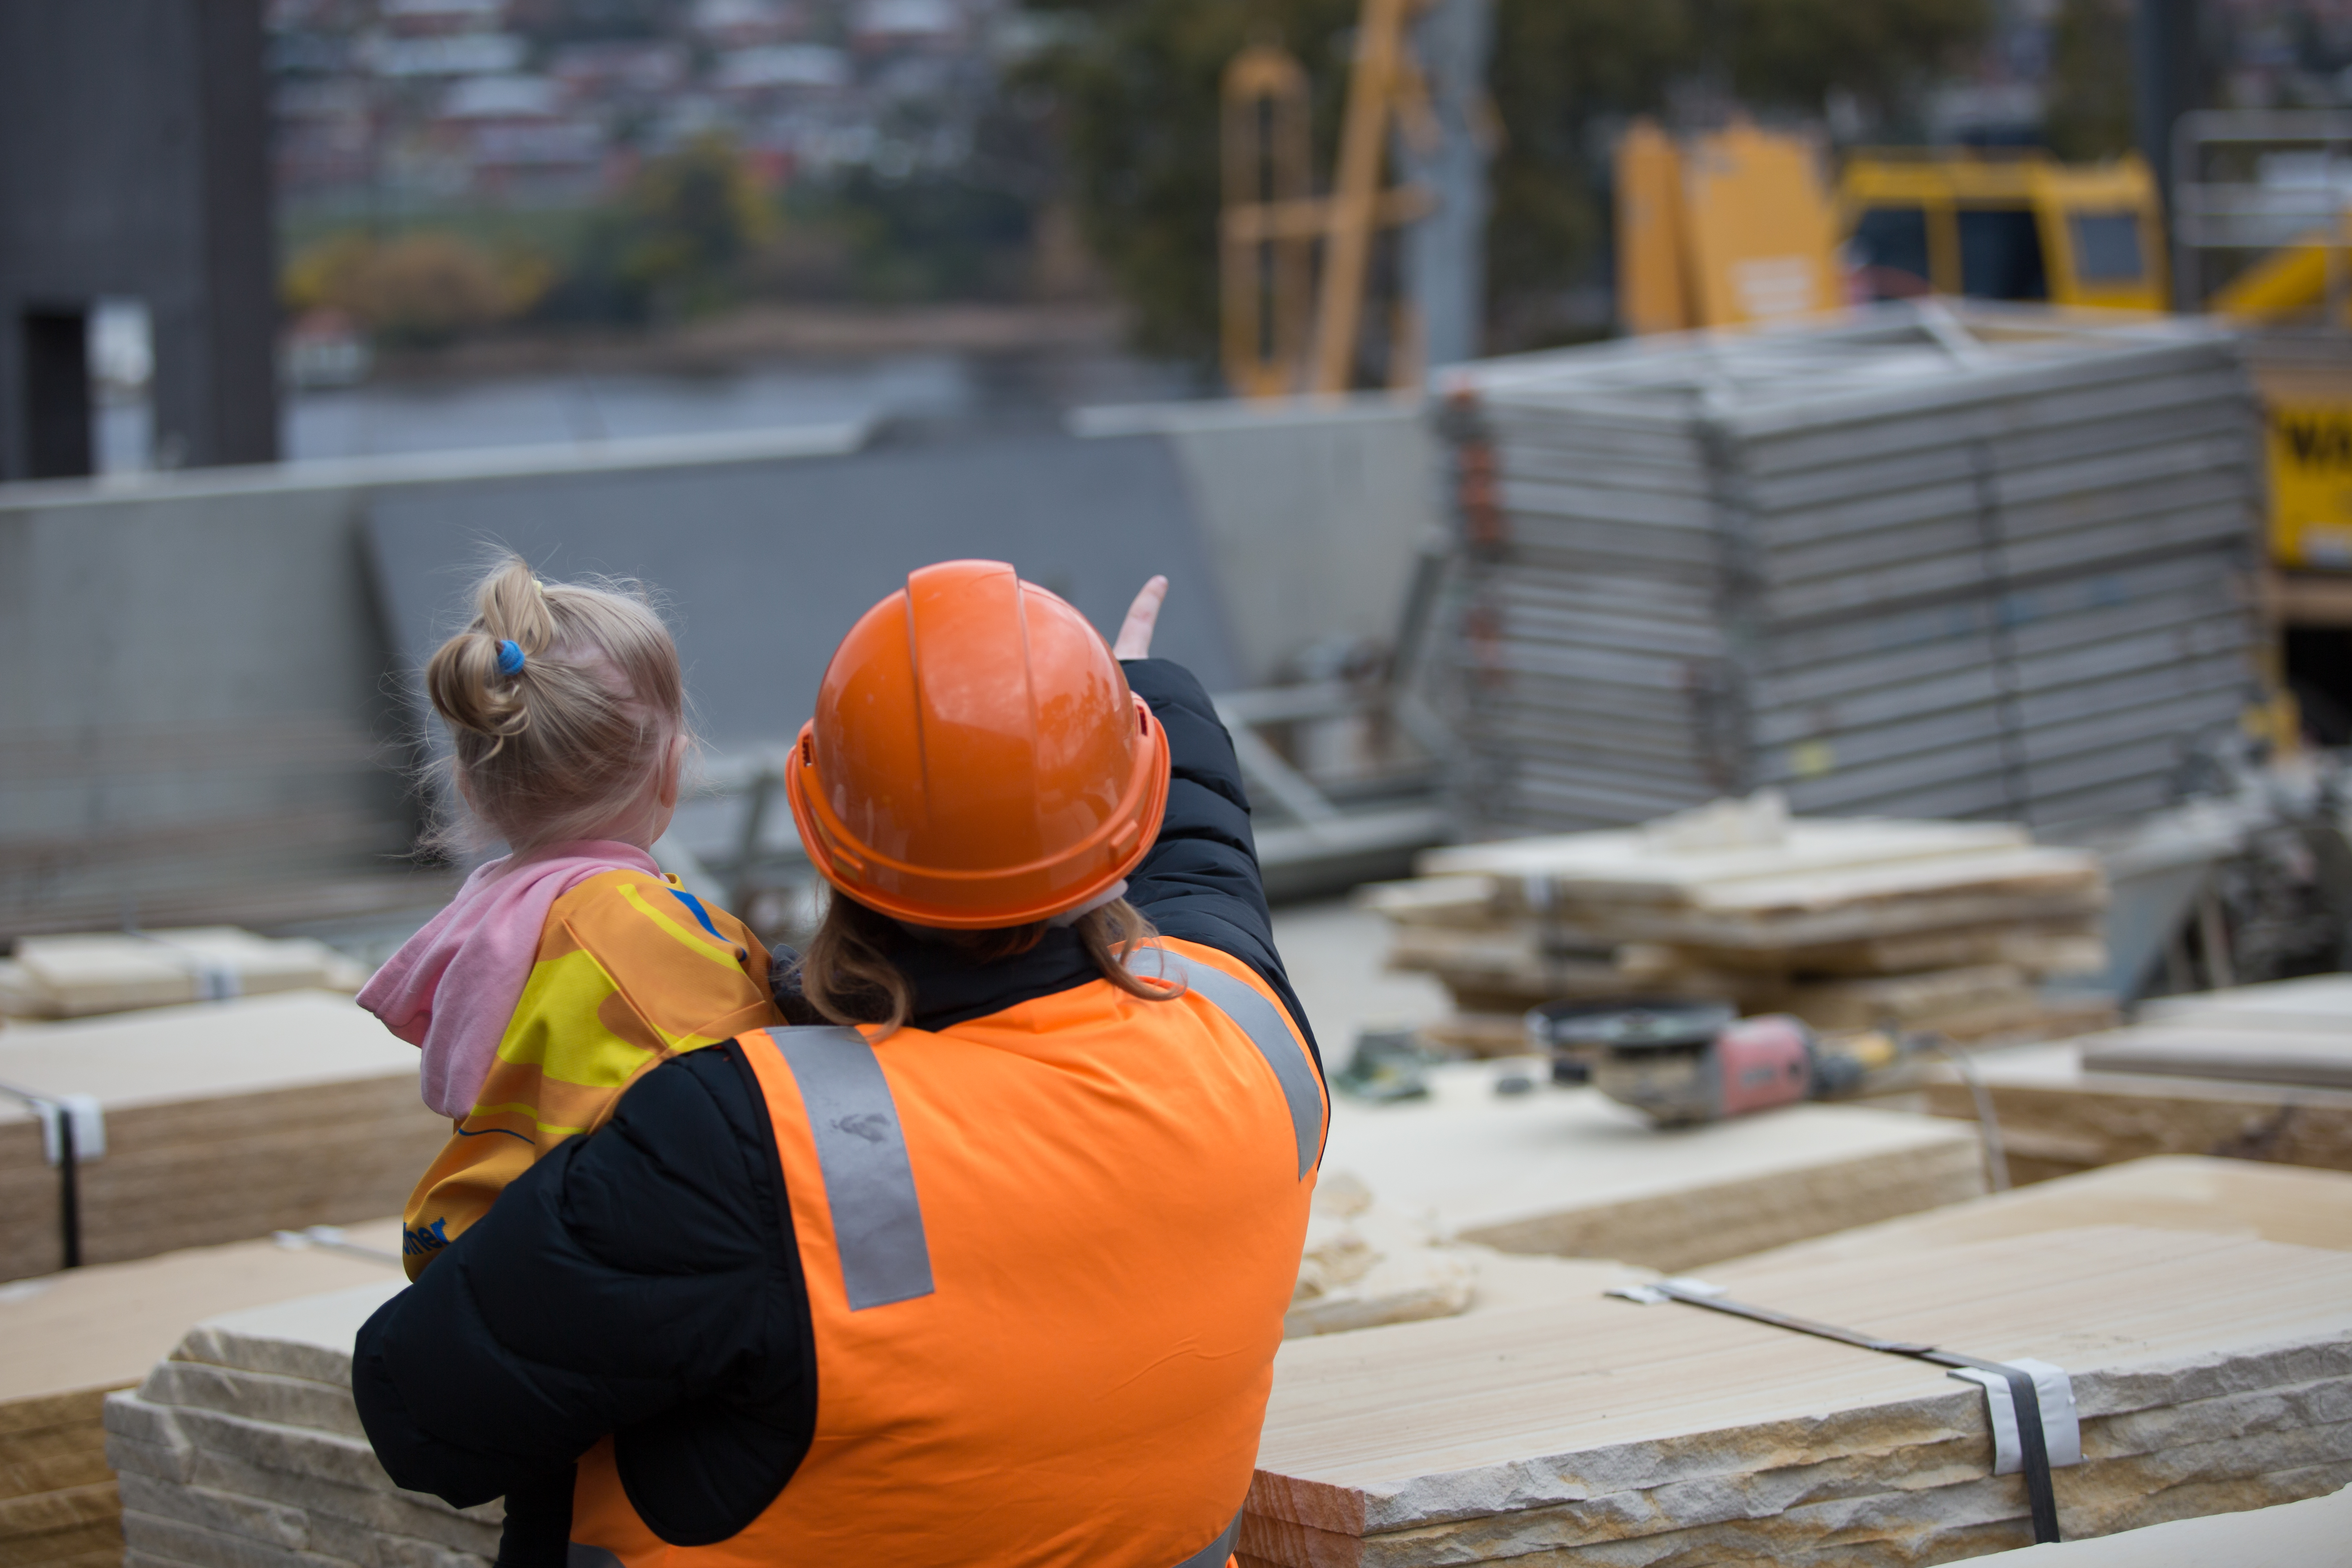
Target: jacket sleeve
point(1200, 881)
point(643, 1281)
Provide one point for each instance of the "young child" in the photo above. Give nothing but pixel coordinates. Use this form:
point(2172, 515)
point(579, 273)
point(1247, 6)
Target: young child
point(563, 971)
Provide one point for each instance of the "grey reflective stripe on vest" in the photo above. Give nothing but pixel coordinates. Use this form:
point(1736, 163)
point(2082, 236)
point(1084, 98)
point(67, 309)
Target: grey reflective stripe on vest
point(878, 1221)
point(1212, 1555)
point(580, 1554)
point(1262, 1021)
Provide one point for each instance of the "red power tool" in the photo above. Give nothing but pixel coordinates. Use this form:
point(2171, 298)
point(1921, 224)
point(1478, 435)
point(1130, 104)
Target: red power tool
point(1680, 1061)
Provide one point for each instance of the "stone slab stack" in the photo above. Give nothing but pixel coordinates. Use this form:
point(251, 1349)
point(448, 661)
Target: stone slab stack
point(2210, 1374)
point(1549, 1425)
point(1846, 923)
point(222, 1122)
point(243, 1450)
point(1933, 561)
point(1566, 1172)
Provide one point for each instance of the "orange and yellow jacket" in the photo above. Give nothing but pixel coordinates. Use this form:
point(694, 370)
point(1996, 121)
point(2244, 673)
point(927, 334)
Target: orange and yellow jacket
point(631, 971)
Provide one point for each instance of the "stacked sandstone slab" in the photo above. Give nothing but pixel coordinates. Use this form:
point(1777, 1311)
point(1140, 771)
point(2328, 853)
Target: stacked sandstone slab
point(71, 1338)
point(1846, 923)
point(1566, 1172)
point(2259, 1072)
point(2211, 1373)
point(1551, 1424)
point(224, 1121)
point(243, 1450)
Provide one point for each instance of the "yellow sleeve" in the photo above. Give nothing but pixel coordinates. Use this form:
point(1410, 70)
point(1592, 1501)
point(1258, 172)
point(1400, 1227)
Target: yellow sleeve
point(631, 971)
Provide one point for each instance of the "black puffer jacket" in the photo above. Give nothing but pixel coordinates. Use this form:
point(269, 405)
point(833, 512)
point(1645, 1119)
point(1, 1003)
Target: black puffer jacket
point(645, 1282)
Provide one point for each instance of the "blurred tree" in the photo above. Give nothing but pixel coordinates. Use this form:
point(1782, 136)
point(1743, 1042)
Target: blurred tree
point(415, 289)
point(926, 237)
point(2089, 107)
point(1137, 89)
point(692, 218)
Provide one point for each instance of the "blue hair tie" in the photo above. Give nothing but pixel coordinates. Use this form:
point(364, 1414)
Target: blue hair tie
point(510, 660)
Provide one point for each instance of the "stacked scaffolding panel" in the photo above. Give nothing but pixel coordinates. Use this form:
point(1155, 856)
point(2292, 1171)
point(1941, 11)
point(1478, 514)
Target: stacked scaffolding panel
point(1982, 563)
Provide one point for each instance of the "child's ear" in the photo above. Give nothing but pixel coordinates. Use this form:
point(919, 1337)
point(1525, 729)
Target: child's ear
point(673, 769)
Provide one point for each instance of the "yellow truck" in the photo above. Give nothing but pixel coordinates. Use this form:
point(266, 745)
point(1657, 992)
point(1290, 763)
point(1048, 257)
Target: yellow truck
point(2003, 224)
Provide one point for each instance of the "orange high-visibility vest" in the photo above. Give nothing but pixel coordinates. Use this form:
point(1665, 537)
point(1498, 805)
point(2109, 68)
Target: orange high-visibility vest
point(1047, 1255)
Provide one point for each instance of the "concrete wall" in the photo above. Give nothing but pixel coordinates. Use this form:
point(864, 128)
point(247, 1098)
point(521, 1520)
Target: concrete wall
point(1313, 510)
point(200, 694)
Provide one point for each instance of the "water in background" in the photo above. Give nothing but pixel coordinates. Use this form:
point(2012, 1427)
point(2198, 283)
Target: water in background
point(427, 417)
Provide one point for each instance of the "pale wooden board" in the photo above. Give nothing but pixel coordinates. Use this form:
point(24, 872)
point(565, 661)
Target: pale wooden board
point(1517, 1409)
point(2058, 1117)
point(71, 976)
point(103, 1326)
point(202, 1051)
point(2187, 1192)
point(2317, 1004)
point(2197, 1047)
point(1567, 1171)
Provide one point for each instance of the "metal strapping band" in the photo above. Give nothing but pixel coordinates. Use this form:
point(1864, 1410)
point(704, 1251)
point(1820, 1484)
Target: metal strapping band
point(1214, 1554)
point(877, 1220)
point(1262, 1021)
point(2040, 1493)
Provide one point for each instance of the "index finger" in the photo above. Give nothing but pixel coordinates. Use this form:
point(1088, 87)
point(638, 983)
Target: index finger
point(1134, 639)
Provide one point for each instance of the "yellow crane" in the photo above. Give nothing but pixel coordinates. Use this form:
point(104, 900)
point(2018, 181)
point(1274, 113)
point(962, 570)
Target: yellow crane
point(1274, 224)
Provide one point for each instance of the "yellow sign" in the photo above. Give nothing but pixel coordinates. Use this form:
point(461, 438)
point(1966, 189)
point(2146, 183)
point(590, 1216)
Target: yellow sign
point(2311, 482)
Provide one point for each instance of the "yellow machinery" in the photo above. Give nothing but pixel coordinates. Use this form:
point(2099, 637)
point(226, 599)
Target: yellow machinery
point(2003, 225)
point(1725, 230)
point(2298, 300)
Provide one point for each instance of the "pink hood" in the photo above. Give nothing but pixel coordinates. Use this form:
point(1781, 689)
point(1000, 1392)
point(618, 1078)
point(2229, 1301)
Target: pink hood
point(452, 988)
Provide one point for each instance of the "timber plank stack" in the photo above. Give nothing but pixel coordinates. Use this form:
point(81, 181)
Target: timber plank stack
point(224, 1120)
point(2212, 1374)
point(1845, 923)
point(115, 972)
point(73, 1338)
point(1980, 562)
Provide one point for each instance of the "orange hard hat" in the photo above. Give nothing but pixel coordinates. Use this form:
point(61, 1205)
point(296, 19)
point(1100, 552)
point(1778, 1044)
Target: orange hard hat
point(976, 759)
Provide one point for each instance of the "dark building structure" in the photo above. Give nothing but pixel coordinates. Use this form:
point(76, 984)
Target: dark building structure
point(134, 165)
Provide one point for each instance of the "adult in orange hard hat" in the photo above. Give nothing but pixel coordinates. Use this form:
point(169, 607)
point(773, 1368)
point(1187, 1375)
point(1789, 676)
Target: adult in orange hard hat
point(987, 1263)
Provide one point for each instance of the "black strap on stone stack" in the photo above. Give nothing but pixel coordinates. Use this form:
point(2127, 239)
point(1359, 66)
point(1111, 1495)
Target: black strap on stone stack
point(2040, 1495)
point(59, 1119)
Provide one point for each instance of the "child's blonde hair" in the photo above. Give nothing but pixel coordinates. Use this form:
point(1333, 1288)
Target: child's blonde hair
point(555, 748)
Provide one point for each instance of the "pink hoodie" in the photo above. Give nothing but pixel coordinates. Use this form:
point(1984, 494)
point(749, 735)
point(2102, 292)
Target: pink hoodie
point(452, 988)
